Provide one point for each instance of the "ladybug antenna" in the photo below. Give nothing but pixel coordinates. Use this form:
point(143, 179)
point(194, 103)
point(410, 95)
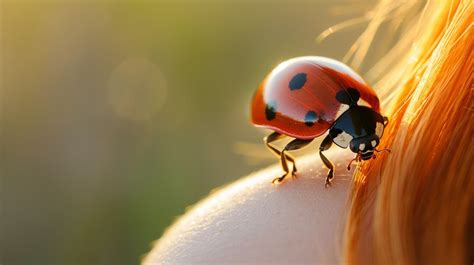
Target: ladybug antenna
point(357, 158)
point(384, 150)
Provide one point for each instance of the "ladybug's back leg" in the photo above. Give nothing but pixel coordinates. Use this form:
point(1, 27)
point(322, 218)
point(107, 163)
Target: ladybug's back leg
point(272, 138)
point(293, 145)
point(275, 136)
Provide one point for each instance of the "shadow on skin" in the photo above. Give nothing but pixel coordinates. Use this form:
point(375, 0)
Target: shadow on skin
point(252, 221)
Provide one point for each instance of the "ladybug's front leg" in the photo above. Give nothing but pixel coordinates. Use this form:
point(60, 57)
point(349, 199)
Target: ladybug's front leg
point(325, 145)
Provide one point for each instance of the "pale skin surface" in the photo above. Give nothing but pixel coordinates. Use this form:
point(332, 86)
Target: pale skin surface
point(252, 221)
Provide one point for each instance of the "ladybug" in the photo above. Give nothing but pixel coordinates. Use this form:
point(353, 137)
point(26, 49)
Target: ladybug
point(306, 96)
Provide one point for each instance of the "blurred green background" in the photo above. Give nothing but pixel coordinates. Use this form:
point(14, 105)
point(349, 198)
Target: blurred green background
point(116, 116)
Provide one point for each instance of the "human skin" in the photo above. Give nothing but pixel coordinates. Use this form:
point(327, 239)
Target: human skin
point(251, 221)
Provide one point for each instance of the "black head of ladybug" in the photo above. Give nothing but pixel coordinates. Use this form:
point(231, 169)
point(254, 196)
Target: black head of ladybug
point(359, 128)
point(365, 146)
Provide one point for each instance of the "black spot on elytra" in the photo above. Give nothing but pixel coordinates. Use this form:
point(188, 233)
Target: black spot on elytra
point(270, 110)
point(310, 118)
point(348, 96)
point(297, 81)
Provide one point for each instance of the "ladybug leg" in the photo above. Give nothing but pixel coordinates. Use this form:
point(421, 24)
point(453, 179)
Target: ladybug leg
point(325, 145)
point(274, 137)
point(293, 145)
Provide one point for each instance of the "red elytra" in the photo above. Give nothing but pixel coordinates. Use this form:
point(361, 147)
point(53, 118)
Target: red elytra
point(298, 98)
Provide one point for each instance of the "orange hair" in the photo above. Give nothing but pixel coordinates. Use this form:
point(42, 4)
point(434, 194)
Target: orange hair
point(416, 205)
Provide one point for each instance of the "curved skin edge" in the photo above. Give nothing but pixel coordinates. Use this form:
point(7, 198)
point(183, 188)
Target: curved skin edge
point(252, 221)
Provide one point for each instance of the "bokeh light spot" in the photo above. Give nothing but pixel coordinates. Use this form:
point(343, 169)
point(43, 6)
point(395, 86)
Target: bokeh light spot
point(136, 89)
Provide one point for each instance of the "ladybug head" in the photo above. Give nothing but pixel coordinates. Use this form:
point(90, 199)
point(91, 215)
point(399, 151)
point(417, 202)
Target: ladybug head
point(365, 146)
point(360, 128)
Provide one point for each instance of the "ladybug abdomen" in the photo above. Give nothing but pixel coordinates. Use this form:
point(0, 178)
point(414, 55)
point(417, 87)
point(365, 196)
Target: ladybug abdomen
point(298, 98)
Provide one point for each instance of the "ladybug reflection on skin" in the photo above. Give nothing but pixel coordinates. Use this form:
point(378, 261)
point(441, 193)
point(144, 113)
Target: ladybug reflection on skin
point(306, 96)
